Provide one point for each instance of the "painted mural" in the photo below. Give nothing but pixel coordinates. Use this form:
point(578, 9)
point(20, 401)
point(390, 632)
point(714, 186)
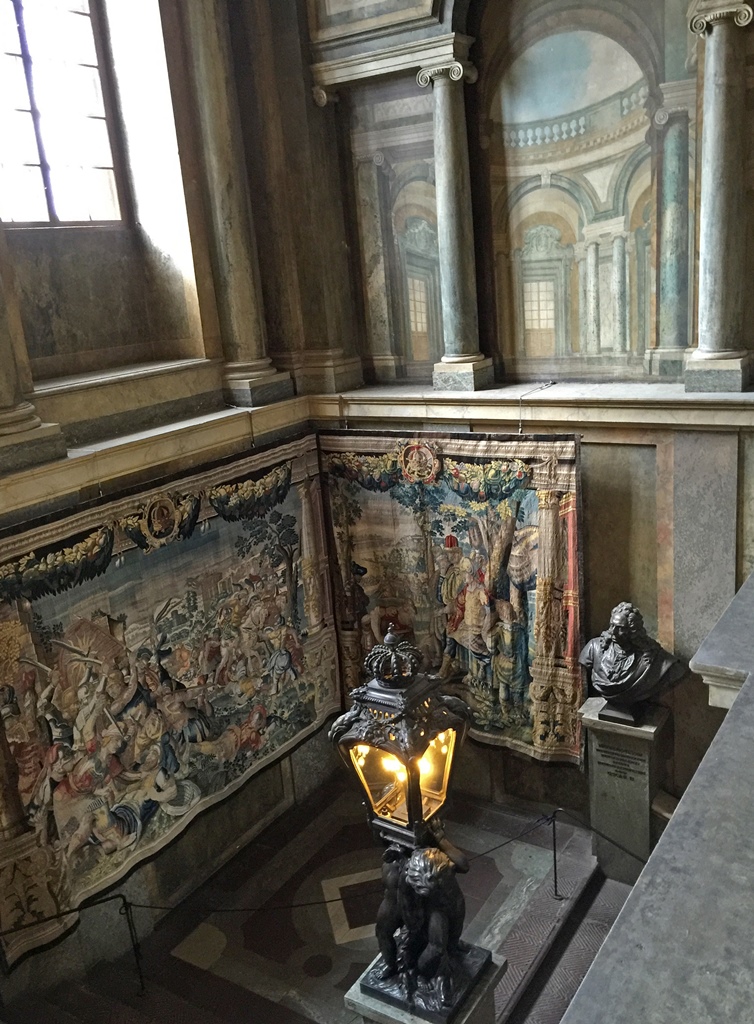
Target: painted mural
point(583, 160)
point(591, 154)
point(468, 548)
point(566, 268)
point(154, 663)
point(392, 143)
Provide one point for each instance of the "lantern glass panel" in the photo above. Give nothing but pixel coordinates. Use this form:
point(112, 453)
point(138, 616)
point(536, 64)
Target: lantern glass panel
point(383, 777)
point(434, 771)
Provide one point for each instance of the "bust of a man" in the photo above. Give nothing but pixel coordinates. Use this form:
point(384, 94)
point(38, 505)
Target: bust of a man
point(625, 665)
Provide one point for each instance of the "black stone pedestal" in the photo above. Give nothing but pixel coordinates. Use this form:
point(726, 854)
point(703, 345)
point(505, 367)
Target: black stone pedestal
point(471, 1000)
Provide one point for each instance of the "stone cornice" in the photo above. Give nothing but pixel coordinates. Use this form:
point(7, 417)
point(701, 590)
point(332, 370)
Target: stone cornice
point(431, 51)
point(703, 14)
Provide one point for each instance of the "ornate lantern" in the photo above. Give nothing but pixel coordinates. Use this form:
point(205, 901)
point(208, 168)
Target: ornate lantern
point(400, 738)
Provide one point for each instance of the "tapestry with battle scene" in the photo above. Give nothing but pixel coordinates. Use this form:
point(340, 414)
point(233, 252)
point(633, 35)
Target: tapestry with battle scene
point(469, 546)
point(154, 654)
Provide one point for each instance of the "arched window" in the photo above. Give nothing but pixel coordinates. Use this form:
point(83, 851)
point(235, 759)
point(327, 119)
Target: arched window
point(56, 122)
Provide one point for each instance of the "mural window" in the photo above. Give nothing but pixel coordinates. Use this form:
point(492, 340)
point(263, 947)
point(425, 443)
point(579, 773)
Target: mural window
point(539, 305)
point(418, 315)
point(417, 304)
point(57, 163)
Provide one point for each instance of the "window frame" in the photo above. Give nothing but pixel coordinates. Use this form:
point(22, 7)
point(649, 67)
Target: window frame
point(113, 123)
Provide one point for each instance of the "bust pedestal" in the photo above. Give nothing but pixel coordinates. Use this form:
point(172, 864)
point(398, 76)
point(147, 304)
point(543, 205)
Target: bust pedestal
point(478, 1007)
point(624, 763)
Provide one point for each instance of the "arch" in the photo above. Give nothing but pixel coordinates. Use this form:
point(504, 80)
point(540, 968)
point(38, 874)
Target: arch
point(627, 172)
point(421, 171)
point(458, 13)
point(506, 203)
point(611, 18)
point(415, 199)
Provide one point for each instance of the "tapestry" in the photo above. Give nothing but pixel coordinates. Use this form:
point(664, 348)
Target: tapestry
point(468, 545)
point(154, 654)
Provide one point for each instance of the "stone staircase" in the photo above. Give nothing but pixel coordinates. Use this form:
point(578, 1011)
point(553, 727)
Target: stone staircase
point(180, 994)
point(177, 993)
point(549, 947)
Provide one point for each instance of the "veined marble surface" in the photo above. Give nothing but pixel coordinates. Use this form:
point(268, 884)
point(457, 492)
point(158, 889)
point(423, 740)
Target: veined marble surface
point(680, 950)
point(566, 407)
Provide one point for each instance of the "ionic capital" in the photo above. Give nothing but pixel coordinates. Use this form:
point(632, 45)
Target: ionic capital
point(454, 70)
point(706, 13)
point(324, 96)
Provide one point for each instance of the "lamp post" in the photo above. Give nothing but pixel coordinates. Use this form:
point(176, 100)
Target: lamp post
point(400, 739)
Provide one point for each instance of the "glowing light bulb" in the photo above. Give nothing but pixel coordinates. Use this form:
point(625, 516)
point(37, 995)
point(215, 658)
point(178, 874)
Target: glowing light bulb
point(444, 748)
point(425, 765)
point(391, 764)
point(362, 750)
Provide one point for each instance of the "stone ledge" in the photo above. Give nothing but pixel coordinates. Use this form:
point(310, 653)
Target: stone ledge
point(565, 406)
point(92, 406)
point(725, 659)
point(680, 950)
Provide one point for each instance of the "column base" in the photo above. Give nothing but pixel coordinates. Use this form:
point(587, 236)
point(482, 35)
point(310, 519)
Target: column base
point(381, 369)
point(706, 373)
point(665, 362)
point(26, 441)
point(250, 387)
point(328, 371)
point(474, 375)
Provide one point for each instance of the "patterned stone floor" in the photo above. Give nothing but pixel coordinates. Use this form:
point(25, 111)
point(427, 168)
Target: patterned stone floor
point(259, 941)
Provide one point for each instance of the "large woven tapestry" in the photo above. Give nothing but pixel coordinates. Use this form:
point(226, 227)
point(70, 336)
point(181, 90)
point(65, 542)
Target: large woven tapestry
point(469, 546)
point(155, 653)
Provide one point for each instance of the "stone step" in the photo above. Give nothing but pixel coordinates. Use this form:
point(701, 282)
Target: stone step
point(239, 1005)
point(88, 1005)
point(536, 930)
point(40, 1012)
point(553, 987)
point(159, 1003)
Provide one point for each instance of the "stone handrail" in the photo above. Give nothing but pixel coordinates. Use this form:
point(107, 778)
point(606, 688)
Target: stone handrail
point(726, 657)
point(679, 950)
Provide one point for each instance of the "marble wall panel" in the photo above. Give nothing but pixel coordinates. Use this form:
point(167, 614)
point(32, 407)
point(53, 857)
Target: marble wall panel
point(745, 564)
point(95, 298)
point(705, 502)
point(620, 532)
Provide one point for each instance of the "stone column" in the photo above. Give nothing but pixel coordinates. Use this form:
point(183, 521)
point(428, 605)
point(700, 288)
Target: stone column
point(723, 361)
point(667, 359)
point(620, 294)
point(462, 368)
point(24, 439)
point(250, 379)
point(593, 298)
point(580, 251)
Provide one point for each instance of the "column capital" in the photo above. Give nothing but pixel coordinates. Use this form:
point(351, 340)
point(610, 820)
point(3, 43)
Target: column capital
point(323, 96)
point(703, 14)
point(454, 70)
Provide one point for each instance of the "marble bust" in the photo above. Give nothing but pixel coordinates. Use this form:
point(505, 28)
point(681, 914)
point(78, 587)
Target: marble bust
point(626, 666)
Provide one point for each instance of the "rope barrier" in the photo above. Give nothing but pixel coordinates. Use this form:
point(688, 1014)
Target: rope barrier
point(127, 906)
